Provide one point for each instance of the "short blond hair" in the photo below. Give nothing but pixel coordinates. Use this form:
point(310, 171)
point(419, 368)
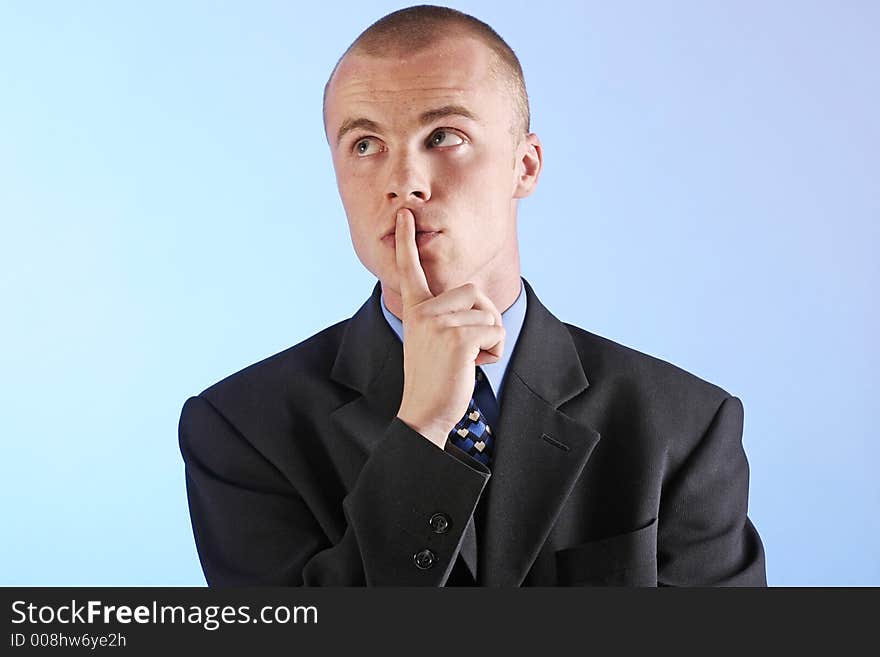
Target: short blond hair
point(414, 29)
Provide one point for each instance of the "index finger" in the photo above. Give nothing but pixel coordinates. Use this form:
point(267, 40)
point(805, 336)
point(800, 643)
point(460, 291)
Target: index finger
point(413, 283)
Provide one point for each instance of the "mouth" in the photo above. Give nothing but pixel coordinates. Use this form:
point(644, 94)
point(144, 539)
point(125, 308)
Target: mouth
point(423, 237)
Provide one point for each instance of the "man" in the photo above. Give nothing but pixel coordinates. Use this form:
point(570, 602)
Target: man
point(453, 431)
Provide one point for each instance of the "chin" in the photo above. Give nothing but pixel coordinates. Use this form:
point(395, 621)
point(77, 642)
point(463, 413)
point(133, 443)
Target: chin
point(441, 282)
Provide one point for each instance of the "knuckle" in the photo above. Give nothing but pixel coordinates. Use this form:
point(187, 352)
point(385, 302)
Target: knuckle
point(467, 339)
point(459, 334)
point(419, 312)
point(451, 336)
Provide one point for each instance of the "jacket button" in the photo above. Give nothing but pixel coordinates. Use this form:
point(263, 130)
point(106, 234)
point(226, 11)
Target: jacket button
point(424, 559)
point(439, 523)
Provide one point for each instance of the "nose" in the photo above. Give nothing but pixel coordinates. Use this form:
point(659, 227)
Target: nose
point(407, 179)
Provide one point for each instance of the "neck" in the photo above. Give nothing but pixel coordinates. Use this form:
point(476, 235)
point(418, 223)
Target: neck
point(502, 292)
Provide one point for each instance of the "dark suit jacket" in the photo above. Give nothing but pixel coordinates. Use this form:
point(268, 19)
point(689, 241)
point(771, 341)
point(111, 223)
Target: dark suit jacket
point(610, 467)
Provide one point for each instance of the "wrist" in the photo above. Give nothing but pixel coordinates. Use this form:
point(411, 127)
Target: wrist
point(436, 434)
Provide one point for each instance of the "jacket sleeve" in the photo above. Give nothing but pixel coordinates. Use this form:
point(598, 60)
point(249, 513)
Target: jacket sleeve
point(252, 527)
point(705, 537)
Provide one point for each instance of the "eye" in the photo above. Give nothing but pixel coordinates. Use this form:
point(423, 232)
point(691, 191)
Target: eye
point(366, 146)
point(444, 138)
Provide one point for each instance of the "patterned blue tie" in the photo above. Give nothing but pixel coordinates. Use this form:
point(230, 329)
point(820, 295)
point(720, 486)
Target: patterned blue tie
point(472, 434)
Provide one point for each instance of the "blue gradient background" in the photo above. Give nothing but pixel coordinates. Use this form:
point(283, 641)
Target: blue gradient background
point(170, 215)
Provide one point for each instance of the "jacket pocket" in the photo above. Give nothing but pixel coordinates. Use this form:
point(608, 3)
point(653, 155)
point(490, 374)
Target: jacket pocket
point(624, 560)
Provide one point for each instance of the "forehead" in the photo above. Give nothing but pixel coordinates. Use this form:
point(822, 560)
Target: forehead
point(456, 70)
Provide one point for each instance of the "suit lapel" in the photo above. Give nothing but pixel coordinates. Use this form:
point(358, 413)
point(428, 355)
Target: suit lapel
point(539, 450)
point(369, 360)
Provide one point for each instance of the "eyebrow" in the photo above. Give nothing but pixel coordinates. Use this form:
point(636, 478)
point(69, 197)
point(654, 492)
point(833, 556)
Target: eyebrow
point(425, 118)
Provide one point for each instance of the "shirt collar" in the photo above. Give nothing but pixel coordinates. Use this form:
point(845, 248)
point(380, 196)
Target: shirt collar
point(512, 318)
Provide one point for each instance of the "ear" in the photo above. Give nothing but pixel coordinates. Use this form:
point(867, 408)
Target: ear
point(528, 163)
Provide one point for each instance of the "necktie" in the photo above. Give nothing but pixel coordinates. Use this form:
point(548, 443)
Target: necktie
point(472, 434)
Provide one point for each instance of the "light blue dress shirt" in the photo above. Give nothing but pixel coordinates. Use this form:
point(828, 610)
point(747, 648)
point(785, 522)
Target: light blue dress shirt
point(512, 319)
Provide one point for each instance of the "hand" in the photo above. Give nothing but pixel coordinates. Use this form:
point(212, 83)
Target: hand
point(444, 339)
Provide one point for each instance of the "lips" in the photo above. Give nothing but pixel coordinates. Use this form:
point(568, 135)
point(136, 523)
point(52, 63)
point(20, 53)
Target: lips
point(423, 237)
point(419, 229)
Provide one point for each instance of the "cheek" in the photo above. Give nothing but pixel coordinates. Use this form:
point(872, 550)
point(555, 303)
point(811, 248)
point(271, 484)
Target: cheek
point(350, 186)
point(354, 194)
point(359, 198)
point(353, 177)
point(462, 178)
point(482, 184)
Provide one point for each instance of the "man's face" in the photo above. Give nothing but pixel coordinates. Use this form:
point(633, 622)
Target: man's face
point(409, 144)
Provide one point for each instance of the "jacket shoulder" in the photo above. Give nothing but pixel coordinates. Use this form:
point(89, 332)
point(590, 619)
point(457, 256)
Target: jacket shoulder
point(604, 357)
point(660, 396)
point(309, 360)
